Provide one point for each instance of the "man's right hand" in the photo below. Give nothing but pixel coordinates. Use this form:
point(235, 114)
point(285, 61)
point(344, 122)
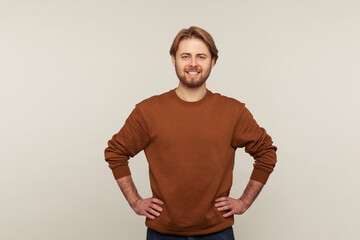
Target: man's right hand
point(147, 207)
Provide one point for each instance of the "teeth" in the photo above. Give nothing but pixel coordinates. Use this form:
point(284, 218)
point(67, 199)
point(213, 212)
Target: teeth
point(193, 72)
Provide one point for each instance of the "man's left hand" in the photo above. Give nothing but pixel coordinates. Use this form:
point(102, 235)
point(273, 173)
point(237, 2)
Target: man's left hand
point(235, 206)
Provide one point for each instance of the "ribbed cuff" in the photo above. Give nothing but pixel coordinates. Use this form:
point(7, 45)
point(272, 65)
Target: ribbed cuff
point(259, 175)
point(120, 172)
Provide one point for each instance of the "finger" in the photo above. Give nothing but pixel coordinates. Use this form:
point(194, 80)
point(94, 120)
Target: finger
point(225, 208)
point(156, 200)
point(153, 212)
point(223, 203)
point(156, 207)
point(149, 215)
point(221, 199)
point(228, 214)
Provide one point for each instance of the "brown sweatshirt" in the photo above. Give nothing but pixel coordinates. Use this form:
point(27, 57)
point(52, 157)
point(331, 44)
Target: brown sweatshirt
point(190, 148)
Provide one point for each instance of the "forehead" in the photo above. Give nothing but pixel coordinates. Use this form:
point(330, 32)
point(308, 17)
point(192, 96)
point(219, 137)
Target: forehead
point(193, 45)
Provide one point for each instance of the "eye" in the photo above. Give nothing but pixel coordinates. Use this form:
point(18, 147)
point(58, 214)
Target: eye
point(185, 57)
point(202, 57)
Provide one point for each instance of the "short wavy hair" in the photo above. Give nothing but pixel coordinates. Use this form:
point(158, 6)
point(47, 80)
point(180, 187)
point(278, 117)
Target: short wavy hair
point(195, 32)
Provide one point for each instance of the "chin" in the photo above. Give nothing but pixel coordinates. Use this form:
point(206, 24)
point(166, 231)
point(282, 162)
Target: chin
point(190, 84)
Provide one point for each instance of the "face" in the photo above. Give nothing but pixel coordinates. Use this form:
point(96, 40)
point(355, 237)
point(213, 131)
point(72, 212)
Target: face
point(192, 62)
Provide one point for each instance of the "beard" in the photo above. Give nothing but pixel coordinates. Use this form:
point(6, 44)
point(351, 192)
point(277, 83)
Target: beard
point(192, 82)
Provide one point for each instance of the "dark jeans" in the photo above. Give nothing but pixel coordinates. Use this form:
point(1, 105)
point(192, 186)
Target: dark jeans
point(226, 234)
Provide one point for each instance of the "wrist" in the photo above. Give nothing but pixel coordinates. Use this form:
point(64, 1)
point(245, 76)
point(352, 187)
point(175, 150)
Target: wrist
point(245, 202)
point(133, 202)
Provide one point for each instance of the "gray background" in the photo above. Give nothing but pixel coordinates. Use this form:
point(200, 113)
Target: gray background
point(72, 71)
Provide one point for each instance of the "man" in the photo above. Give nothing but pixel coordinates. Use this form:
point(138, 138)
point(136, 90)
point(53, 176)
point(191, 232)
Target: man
point(189, 135)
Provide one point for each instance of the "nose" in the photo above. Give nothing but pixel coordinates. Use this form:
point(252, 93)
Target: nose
point(193, 62)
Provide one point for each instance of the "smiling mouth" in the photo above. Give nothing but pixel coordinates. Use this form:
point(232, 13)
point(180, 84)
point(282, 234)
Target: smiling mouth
point(193, 74)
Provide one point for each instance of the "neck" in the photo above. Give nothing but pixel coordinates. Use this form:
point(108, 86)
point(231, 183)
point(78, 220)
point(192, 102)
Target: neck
point(191, 94)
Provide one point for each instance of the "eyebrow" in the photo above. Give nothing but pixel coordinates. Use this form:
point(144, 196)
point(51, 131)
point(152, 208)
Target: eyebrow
point(190, 54)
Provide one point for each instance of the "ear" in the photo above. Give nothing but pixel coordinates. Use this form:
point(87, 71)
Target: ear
point(212, 62)
point(173, 59)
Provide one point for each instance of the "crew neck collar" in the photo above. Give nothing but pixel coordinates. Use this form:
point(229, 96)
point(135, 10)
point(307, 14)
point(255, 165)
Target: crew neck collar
point(187, 103)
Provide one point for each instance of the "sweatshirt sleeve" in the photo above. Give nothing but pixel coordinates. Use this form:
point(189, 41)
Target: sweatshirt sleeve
point(257, 143)
point(129, 141)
